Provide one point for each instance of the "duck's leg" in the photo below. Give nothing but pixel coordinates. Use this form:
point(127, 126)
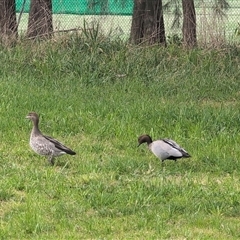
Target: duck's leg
point(51, 159)
point(163, 163)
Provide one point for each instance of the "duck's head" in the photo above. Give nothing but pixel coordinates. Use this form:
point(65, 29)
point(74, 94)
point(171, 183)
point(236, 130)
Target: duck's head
point(33, 116)
point(144, 138)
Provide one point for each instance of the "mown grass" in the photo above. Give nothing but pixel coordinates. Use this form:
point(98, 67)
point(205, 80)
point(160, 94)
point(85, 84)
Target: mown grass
point(98, 96)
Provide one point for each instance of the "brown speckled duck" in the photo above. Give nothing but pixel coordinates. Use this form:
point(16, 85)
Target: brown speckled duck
point(45, 145)
point(164, 148)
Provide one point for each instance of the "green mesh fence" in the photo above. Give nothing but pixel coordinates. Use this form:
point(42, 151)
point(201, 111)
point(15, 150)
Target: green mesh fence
point(115, 17)
point(84, 7)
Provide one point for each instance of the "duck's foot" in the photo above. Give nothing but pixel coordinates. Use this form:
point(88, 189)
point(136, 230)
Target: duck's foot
point(51, 160)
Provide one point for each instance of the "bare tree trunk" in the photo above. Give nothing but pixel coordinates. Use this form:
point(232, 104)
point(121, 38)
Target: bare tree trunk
point(189, 24)
point(136, 35)
point(40, 19)
point(8, 22)
point(147, 22)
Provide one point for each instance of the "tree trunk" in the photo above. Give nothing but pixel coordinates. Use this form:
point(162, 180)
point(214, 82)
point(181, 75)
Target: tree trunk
point(189, 24)
point(147, 22)
point(8, 22)
point(40, 19)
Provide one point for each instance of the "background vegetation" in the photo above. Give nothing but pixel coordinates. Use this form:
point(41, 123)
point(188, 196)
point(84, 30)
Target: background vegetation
point(97, 96)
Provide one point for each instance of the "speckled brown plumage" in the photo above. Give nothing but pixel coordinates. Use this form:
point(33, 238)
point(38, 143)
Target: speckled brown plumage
point(45, 145)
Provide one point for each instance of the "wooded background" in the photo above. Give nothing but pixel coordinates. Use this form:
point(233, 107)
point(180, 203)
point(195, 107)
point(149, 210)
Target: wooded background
point(140, 20)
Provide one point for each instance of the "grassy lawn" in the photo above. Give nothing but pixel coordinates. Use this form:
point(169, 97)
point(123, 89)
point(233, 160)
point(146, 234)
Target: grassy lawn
point(97, 97)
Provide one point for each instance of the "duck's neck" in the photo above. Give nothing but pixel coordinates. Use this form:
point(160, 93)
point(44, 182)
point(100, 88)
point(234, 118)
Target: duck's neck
point(148, 140)
point(35, 129)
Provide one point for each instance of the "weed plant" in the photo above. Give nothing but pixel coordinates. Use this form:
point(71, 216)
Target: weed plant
point(97, 96)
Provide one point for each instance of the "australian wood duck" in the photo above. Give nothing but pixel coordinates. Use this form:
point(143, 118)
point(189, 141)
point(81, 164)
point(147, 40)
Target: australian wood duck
point(45, 145)
point(164, 148)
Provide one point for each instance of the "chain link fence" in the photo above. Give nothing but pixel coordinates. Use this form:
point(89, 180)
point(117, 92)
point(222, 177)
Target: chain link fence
point(115, 16)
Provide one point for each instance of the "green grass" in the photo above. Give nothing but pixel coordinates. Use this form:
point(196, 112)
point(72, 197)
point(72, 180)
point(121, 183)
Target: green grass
point(98, 97)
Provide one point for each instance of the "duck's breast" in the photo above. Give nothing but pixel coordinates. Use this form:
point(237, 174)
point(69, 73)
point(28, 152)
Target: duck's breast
point(40, 146)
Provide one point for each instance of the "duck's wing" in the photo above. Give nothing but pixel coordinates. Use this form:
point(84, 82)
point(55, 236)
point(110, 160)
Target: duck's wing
point(59, 145)
point(176, 146)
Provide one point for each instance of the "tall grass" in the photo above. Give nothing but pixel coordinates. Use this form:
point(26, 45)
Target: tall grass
point(98, 96)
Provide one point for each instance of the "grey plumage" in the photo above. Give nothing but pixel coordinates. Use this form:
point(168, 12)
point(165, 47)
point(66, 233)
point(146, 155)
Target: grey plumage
point(45, 145)
point(164, 148)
